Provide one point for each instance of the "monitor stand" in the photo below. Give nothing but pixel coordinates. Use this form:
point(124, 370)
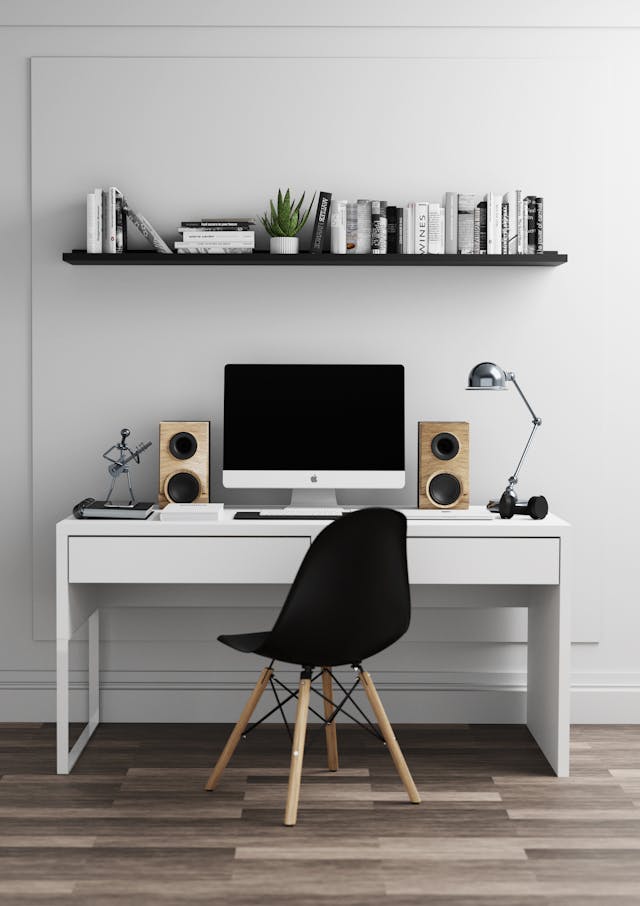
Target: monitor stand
point(320, 498)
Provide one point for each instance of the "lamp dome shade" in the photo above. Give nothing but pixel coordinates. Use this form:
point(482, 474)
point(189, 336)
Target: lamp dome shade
point(487, 376)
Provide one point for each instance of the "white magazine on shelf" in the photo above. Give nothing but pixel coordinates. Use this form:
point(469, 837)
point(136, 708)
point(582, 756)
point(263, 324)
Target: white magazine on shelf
point(147, 230)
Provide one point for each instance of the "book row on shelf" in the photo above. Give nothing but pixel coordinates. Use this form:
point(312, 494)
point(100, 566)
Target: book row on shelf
point(464, 224)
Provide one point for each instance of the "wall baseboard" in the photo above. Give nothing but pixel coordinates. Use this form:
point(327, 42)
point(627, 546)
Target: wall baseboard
point(607, 702)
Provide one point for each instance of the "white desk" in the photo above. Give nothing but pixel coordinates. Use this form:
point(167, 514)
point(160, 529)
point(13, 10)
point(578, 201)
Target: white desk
point(519, 552)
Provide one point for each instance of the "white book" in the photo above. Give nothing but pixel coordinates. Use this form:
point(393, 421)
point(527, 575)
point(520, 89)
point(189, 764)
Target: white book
point(467, 203)
point(92, 225)
point(494, 224)
point(363, 244)
point(521, 235)
point(497, 224)
point(248, 242)
point(109, 220)
point(490, 224)
point(434, 219)
point(352, 228)
point(443, 224)
point(408, 225)
point(99, 218)
point(338, 219)
point(211, 250)
point(421, 228)
point(223, 244)
point(512, 223)
point(451, 223)
point(212, 236)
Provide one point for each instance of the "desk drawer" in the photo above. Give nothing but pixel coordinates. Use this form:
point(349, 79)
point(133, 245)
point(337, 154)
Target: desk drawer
point(491, 561)
point(185, 560)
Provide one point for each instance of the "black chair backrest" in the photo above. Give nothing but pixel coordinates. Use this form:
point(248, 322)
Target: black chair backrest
point(350, 598)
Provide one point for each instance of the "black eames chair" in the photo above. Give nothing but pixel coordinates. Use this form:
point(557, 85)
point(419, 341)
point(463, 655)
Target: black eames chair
point(349, 600)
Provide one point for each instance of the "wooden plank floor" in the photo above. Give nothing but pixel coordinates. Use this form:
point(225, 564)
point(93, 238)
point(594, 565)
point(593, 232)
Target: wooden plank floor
point(132, 824)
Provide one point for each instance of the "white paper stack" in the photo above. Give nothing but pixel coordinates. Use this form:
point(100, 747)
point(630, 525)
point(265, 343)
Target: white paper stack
point(192, 512)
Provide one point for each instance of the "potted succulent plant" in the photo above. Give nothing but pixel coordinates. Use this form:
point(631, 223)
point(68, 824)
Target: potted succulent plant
point(284, 221)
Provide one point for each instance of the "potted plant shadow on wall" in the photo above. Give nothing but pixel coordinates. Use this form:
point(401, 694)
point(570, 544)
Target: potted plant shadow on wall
point(284, 221)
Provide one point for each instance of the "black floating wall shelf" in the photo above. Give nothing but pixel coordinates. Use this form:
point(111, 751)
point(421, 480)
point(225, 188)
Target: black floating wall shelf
point(304, 259)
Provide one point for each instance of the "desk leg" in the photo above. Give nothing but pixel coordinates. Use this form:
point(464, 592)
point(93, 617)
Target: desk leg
point(62, 705)
point(94, 669)
point(549, 676)
point(65, 758)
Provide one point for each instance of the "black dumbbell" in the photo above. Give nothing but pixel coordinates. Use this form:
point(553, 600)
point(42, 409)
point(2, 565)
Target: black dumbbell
point(536, 507)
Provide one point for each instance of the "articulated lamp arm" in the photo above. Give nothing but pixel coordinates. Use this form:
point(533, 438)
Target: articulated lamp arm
point(513, 480)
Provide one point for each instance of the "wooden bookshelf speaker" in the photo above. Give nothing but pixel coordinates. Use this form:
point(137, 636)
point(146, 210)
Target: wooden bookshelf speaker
point(443, 465)
point(184, 462)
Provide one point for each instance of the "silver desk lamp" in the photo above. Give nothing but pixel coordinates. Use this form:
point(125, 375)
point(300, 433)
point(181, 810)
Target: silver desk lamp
point(488, 376)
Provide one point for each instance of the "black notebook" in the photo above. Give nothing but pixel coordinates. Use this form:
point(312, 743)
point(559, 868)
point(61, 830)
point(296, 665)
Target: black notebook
point(98, 509)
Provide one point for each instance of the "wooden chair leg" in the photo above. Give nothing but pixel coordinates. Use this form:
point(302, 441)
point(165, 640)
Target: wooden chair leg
point(330, 730)
point(297, 749)
point(387, 731)
point(239, 729)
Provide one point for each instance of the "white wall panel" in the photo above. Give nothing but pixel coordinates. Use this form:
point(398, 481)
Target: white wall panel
point(579, 145)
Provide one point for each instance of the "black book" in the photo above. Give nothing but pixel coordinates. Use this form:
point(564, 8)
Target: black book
point(376, 246)
point(400, 231)
point(320, 223)
point(392, 230)
point(99, 509)
point(505, 228)
point(539, 232)
point(530, 224)
point(218, 224)
point(121, 225)
point(482, 207)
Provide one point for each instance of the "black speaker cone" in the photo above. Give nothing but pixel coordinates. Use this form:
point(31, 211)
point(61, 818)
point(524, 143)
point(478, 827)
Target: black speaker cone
point(444, 489)
point(183, 487)
point(445, 446)
point(183, 445)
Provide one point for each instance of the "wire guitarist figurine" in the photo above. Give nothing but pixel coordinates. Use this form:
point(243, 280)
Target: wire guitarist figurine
point(120, 466)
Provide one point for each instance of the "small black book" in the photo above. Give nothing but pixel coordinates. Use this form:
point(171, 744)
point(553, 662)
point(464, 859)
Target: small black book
point(320, 224)
point(539, 226)
point(392, 230)
point(482, 206)
point(218, 224)
point(530, 224)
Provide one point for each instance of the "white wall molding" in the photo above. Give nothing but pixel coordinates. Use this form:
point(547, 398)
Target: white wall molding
point(416, 698)
point(331, 13)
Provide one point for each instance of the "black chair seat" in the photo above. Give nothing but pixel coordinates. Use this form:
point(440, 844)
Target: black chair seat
point(349, 600)
point(248, 642)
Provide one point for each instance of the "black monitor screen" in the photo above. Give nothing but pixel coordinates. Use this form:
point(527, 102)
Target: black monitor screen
point(332, 417)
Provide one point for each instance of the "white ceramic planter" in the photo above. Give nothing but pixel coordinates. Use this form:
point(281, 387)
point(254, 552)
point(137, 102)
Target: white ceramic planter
point(283, 245)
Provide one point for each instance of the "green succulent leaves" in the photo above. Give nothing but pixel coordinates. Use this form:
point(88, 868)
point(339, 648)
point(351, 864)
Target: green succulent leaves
point(288, 218)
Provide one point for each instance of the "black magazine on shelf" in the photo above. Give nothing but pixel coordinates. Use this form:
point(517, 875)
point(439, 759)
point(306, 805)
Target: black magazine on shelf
point(320, 224)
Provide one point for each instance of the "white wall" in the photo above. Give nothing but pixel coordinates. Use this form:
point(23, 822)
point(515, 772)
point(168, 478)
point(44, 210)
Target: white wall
point(553, 117)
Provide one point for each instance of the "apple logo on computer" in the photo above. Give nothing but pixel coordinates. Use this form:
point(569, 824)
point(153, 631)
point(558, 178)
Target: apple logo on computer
point(314, 478)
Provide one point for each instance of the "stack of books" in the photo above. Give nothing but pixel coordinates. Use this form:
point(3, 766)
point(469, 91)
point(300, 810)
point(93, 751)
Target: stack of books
point(462, 224)
point(210, 236)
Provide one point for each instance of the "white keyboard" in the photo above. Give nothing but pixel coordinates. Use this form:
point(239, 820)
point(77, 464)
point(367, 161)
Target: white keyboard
point(294, 512)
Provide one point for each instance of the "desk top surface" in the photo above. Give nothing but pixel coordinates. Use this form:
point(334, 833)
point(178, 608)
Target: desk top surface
point(518, 527)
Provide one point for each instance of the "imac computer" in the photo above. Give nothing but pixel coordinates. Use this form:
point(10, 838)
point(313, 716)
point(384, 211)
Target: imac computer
point(313, 428)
